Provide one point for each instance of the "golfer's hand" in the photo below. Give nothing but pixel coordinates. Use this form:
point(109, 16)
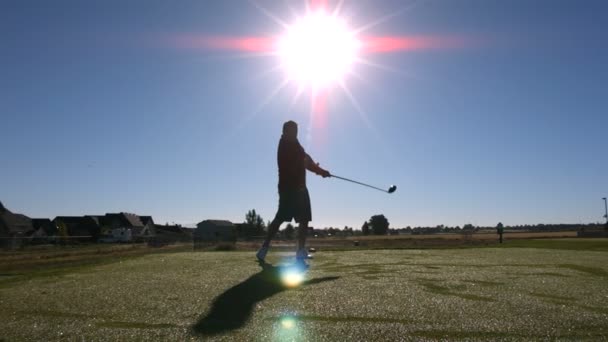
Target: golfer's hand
point(321, 171)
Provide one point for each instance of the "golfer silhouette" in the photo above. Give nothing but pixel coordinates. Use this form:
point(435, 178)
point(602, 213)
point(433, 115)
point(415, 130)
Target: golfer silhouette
point(294, 201)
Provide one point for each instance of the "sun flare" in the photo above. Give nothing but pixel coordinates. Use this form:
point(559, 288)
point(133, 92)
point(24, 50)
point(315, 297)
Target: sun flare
point(292, 277)
point(318, 50)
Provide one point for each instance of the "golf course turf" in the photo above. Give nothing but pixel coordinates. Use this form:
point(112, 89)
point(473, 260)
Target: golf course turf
point(540, 289)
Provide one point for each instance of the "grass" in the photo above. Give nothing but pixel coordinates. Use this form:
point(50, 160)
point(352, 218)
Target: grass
point(574, 244)
point(51, 257)
point(541, 290)
point(432, 287)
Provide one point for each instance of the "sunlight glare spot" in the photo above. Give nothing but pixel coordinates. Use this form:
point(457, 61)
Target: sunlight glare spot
point(288, 322)
point(318, 50)
point(292, 277)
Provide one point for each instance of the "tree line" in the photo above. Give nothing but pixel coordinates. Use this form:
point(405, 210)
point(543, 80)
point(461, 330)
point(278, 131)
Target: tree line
point(254, 226)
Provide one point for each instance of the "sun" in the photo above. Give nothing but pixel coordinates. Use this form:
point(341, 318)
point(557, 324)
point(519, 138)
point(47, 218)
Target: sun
point(318, 50)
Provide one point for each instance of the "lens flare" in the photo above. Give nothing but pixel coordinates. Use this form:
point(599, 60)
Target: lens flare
point(288, 328)
point(292, 277)
point(318, 50)
point(288, 322)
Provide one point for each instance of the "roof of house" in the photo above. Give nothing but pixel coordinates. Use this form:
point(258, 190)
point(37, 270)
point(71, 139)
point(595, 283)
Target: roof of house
point(167, 227)
point(118, 217)
point(39, 222)
point(45, 224)
point(218, 223)
point(126, 219)
point(133, 220)
point(71, 219)
point(99, 219)
point(14, 223)
point(146, 219)
point(84, 223)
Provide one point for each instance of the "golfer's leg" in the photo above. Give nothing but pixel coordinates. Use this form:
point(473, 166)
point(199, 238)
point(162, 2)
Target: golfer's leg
point(302, 231)
point(272, 231)
point(303, 217)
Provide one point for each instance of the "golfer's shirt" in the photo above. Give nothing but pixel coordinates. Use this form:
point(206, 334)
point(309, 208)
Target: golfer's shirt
point(291, 159)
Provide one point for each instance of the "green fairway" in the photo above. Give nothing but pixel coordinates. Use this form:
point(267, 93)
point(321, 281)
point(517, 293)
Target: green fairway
point(513, 293)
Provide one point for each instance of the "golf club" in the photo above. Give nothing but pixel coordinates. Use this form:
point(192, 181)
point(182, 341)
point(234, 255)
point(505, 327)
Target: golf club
point(390, 190)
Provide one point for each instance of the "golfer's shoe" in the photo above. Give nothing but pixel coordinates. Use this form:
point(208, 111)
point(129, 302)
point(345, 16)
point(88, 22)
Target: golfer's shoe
point(261, 254)
point(301, 265)
point(303, 254)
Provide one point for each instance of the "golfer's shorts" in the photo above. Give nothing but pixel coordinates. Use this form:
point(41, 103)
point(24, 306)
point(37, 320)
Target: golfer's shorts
point(294, 204)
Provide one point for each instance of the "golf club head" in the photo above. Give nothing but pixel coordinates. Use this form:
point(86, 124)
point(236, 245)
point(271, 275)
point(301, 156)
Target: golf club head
point(392, 189)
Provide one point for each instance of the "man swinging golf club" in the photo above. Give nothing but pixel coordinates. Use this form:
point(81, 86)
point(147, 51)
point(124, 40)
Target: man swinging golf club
point(294, 202)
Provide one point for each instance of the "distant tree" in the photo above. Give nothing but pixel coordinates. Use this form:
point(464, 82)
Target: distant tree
point(379, 224)
point(365, 228)
point(499, 230)
point(254, 224)
point(468, 226)
point(289, 231)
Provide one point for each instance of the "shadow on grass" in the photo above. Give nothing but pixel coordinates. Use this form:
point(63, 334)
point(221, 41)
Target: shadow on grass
point(232, 309)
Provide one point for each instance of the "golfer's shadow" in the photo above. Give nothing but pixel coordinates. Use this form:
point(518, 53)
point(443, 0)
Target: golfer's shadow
point(232, 309)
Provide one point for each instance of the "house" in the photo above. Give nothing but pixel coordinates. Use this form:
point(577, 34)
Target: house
point(14, 224)
point(167, 234)
point(80, 228)
point(44, 226)
point(149, 226)
point(120, 235)
point(241, 229)
point(123, 227)
point(44, 231)
point(174, 230)
point(127, 227)
point(14, 228)
point(99, 219)
point(123, 220)
point(214, 231)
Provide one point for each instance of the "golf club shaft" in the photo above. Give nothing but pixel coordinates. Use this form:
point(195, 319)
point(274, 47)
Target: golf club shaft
point(353, 181)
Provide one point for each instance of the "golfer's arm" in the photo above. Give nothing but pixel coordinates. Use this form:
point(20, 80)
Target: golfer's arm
point(312, 166)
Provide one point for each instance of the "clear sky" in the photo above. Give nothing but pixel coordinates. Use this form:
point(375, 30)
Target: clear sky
point(99, 112)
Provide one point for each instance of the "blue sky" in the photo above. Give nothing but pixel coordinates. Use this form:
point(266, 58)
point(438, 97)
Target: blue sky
point(101, 114)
